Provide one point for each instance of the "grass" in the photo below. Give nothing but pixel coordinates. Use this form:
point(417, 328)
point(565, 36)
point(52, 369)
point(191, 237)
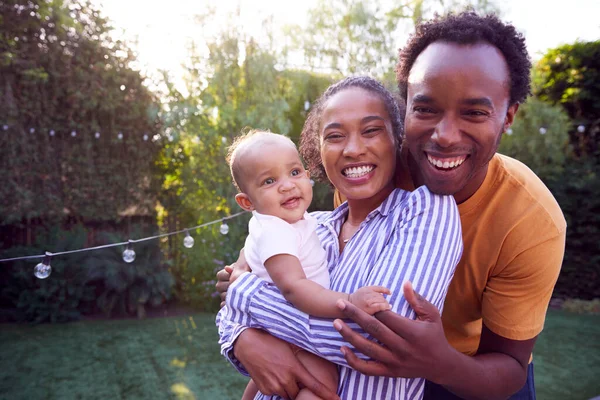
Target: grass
point(178, 358)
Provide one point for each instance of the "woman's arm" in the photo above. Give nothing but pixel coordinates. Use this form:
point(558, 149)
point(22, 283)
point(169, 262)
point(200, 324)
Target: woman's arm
point(427, 241)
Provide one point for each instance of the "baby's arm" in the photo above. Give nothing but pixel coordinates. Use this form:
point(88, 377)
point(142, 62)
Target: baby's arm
point(310, 297)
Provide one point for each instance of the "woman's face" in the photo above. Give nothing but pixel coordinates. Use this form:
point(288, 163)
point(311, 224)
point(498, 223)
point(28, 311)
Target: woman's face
point(357, 144)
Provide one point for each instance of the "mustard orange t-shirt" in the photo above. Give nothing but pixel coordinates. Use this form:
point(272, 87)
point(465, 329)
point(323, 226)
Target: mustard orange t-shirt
point(514, 239)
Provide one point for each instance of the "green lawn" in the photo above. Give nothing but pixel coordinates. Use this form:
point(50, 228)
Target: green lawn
point(178, 358)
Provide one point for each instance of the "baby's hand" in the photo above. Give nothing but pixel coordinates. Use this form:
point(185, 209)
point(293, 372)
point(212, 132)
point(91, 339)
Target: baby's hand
point(370, 299)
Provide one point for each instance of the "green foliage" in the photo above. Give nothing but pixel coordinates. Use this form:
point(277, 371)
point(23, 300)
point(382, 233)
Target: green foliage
point(569, 75)
point(351, 37)
point(83, 283)
point(544, 153)
point(59, 298)
point(61, 71)
point(577, 190)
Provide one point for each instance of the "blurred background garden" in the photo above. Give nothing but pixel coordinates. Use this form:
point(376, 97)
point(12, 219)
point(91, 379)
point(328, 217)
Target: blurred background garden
point(106, 136)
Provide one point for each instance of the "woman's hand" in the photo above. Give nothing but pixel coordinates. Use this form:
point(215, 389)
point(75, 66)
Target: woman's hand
point(410, 348)
point(229, 274)
point(274, 367)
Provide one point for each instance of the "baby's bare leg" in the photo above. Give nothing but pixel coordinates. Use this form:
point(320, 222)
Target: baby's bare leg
point(325, 371)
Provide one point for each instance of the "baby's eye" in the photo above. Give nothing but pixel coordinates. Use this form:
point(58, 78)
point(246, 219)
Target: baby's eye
point(296, 172)
point(269, 181)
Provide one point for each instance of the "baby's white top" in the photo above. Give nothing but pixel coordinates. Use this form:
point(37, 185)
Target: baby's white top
point(269, 236)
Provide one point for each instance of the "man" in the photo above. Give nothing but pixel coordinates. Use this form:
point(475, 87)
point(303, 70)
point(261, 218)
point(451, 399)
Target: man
point(463, 78)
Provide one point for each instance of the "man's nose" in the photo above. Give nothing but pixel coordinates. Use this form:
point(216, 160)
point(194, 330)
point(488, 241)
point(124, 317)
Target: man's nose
point(447, 133)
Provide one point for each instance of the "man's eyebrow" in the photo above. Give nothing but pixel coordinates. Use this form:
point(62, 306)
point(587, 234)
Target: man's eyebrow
point(479, 101)
point(421, 98)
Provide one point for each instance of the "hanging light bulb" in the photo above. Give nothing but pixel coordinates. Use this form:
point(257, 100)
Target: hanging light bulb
point(31, 130)
point(542, 131)
point(97, 135)
point(509, 131)
point(224, 228)
point(5, 127)
point(120, 136)
point(52, 133)
point(188, 240)
point(581, 128)
point(129, 254)
point(43, 269)
point(145, 137)
point(73, 133)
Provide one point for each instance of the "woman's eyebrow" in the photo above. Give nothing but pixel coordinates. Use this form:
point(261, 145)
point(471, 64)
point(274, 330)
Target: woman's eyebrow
point(333, 125)
point(372, 118)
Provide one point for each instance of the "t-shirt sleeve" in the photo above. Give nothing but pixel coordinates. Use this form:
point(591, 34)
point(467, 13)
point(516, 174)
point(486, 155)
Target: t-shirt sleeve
point(276, 237)
point(516, 298)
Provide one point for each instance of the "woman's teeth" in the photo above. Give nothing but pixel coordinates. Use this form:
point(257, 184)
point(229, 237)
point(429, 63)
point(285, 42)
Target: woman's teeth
point(446, 163)
point(357, 172)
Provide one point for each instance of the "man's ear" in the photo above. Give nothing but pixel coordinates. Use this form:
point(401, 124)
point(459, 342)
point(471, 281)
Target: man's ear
point(510, 116)
point(244, 201)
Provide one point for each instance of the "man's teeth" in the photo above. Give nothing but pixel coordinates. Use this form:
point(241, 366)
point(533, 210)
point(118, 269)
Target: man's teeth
point(357, 172)
point(446, 163)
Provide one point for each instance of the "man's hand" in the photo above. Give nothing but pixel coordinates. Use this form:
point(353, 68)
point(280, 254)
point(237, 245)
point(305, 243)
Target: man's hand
point(370, 299)
point(274, 367)
point(229, 274)
point(410, 348)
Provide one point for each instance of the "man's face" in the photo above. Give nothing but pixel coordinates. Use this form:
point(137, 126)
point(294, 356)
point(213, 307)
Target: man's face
point(457, 109)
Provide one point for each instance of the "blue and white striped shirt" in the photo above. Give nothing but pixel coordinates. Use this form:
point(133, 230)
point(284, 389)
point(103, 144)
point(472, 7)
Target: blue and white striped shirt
point(413, 236)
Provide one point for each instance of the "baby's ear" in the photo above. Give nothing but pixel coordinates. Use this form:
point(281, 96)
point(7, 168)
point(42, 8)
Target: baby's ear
point(244, 201)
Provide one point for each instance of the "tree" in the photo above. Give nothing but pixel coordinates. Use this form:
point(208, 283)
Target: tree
point(351, 37)
point(569, 75)
point(62, 79)
point(539, 138)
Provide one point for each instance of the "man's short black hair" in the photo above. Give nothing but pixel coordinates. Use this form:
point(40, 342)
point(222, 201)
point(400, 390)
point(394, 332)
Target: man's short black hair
point(470, 28)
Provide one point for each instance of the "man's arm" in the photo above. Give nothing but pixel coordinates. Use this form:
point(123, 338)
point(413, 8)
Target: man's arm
point(419, 348)
point(513, 316)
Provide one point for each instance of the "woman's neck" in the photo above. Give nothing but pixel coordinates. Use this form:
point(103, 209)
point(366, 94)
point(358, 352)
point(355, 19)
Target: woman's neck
point(358, 209)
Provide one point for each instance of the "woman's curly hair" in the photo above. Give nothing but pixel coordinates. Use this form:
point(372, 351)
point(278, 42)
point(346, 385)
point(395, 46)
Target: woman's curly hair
point(310, 143)
point(470, 28)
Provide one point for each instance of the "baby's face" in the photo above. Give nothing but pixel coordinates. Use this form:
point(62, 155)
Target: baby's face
point(276, 181)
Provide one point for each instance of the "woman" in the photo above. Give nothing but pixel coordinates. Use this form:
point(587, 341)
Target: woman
point(381, 236)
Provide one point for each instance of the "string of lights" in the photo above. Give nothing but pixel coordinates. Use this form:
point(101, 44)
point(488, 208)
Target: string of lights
point(145, 137)
point(43, 269)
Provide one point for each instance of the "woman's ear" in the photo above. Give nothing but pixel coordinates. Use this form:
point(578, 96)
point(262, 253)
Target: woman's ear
point(307, 173)
point(244, 201)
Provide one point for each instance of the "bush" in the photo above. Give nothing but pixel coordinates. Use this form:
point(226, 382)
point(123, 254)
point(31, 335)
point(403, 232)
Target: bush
point(577, 190)
point(82, 283)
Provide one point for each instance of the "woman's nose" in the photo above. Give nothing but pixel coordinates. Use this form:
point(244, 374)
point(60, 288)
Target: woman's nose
point(354, 146)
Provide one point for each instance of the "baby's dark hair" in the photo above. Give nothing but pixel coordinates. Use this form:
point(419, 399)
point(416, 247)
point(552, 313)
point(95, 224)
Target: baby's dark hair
point(470, 28)
point(310, 146)
point(240, 143)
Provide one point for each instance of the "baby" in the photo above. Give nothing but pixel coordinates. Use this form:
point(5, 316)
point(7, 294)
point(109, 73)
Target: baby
point(282, 246)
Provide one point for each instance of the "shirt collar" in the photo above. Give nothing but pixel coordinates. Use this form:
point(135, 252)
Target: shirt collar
point(389, 204)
